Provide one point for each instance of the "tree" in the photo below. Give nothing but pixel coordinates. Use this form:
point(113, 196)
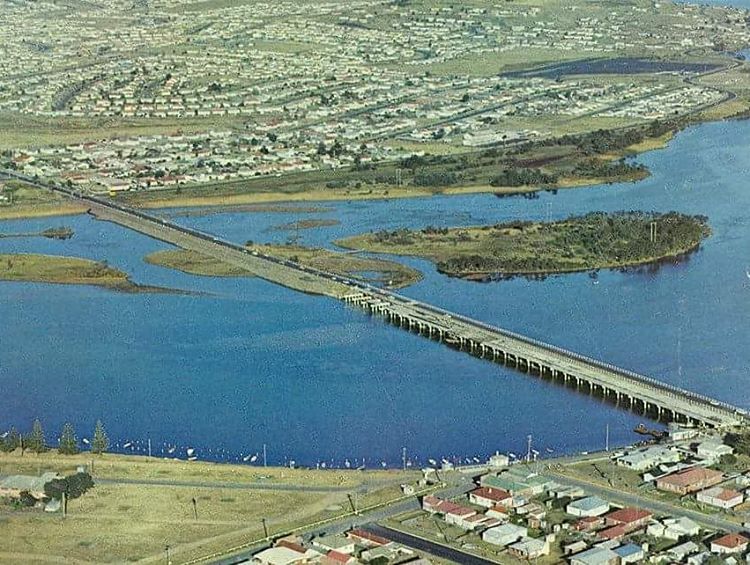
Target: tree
point(36, 442)
point(100, 442)
point(11, 441)
point(72, 486)
point(68, 443)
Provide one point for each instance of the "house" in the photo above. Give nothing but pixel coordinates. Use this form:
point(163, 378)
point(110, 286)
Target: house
point(613, 533)
point(285, 554)
point(647, 458)
point(629, 518)
point(505, 534)
point(13, 485)
point(630, 553)
point(334, 543)
point(498, 460)
point(529, 548)
point(713, 449)
point(689, 480)
point(588, 523)
point(596, 556)
point(589, 506)
point(720, 497)
point(456, 514)
point(489, 497)
point(730, 543)
point(673, 528)
point(363, 537)
point(498, 512)
point(678, 553)
point(337, 558)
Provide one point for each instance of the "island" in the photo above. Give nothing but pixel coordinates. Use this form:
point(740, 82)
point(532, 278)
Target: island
point(522, 248)
point(26, 267)
point(368, 269)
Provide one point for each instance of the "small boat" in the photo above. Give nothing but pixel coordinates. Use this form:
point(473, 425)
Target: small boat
point(190, 451)
point(192, 458)
point(254, 458)
point(84, 440)
point(432, 462)
point(550, 450)
point(127, 444)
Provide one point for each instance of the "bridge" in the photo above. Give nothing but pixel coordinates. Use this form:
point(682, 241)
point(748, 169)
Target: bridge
point(621, 387)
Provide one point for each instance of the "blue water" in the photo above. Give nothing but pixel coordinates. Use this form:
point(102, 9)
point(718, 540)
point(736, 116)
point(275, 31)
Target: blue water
point(247, 363)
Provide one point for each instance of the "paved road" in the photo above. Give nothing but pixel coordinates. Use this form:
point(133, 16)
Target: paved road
point(349, 522)
point(436, 549)
point(628, 499)
point(239, 486)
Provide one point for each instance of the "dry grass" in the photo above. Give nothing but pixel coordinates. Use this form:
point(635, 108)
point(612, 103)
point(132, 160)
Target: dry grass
point(131, 522)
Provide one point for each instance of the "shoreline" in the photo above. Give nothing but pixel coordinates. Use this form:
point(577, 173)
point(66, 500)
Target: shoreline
point(486, 276)
point(225, 202)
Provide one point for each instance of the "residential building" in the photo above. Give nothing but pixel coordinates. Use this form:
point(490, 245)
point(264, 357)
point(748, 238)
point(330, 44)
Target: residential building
point(489, 497)
point(629, 518)
point(529, 548)
point(649, 457)
point(673, 528)
point(589, 506)
point(713, 449)
point(689, 480)
point(505, 534)
point(720, 497)
point(630, 553)
point(596, 556)
point(729, 543)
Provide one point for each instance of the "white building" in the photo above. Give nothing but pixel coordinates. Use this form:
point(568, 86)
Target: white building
point(505, 534)
point(589, 506)
point(720, 497)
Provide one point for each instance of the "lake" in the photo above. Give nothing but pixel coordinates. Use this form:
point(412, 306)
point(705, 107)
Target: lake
point(247, 363)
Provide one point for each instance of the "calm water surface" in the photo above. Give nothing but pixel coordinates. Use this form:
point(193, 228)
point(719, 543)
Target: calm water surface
point(247, 363)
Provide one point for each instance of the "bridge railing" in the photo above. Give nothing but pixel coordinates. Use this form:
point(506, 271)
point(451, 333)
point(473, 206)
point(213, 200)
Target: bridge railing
point(710, 403)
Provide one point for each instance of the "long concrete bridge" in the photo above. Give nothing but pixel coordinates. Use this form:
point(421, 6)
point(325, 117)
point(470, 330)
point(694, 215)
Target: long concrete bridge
point(621, 387)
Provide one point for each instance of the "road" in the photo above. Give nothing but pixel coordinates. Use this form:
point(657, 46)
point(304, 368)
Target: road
point(344, 524)
point(436, 549)
point(659, 507)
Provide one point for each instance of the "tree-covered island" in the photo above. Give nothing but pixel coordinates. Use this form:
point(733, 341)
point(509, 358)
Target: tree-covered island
point(584, 243)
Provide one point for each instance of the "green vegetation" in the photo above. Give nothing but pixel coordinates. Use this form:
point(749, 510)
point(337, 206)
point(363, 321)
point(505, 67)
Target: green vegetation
point(100, 441)
point(68, 441)
point(35, 441)
point(67, 270)
point(306, 225)
point(389, 273)
point(73, 486)
point(594, 241)
point(740, 441)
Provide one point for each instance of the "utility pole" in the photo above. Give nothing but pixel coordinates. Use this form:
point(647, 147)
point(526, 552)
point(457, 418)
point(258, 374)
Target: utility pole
point(195, 508)
point(169, 559)
point(403, 457)
point(265, 461)
point(265, 527)
point(606, 440)
point(149, 447)
point(64, 504)
point(528, 451)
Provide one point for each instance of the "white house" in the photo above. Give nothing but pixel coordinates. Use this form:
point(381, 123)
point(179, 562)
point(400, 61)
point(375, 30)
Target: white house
point(720, 497)
point(673, 528)
point(713, 449)
point(505, 534)
point(589, 506)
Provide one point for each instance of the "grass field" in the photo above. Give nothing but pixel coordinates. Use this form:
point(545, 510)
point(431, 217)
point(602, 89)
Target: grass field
point(62, 270)
point(128, 522)
point(390, 273)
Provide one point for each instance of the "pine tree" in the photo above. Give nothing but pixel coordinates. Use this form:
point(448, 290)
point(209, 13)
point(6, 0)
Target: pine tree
point(100, 442)
point(68, 443)
point(35, 441)
point(11, 441)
